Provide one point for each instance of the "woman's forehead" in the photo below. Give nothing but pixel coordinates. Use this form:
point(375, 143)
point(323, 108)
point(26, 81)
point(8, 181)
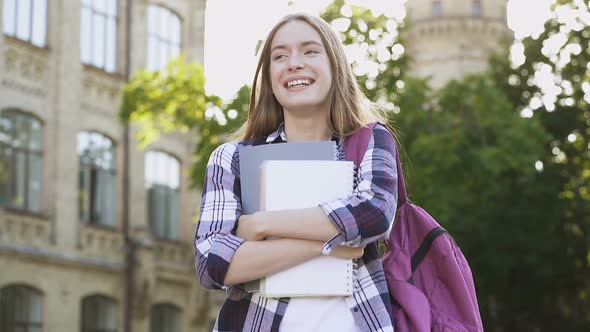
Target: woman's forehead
point(295, 33)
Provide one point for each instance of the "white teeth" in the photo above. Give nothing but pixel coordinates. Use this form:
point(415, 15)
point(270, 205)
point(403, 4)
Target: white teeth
point(298, 82)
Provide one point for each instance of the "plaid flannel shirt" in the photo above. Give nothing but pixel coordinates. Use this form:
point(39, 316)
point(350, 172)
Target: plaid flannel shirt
point(363, 218)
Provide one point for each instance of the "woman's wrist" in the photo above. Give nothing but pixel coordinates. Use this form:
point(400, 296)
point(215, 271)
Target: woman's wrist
point(262, 225)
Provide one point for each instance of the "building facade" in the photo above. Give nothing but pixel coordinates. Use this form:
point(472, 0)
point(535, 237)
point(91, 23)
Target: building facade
point(449, 39)
point(76, 205)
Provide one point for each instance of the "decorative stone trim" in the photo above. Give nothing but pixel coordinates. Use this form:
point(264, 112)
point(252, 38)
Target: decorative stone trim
point(24, 88)
point(23, 229)
point(101, 89)
point(460, 25)
point(173, 256)
point(98, 242)
point(26, 68)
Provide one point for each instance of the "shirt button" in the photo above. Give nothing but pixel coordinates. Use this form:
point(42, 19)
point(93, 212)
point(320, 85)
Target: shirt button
point(356, 309)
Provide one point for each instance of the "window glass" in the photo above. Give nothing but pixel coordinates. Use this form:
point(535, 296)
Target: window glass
point(164, 36)
point(98, 34)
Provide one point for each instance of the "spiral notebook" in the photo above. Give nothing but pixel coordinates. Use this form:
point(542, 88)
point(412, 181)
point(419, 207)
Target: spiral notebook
point(294, 184)
point(252, 157)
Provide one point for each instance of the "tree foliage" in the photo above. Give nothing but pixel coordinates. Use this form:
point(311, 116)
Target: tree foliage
point(502, 160)
point(165, 101)
point(551, 83)
point(174, 100)
point(374, 44)
point(222, 118)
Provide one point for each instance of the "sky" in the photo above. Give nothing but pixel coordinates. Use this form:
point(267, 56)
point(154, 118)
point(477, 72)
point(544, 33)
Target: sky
point(233, 28)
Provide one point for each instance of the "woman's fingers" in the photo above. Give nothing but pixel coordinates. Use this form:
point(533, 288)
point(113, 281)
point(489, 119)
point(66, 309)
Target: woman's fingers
point(348, 252)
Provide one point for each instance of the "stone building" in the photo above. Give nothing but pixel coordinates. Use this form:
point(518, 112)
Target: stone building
point(452, 38)
point(68, 228)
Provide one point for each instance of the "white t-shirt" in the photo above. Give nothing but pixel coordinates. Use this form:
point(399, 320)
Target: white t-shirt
point(318, 314)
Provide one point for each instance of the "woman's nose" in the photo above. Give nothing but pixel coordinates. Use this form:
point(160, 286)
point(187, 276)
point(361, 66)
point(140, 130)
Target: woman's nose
point(295, 62)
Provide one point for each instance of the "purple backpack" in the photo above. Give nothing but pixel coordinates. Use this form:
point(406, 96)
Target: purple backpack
point(429, 279)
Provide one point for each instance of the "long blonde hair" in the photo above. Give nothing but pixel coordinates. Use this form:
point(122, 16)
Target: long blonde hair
point(349, 107)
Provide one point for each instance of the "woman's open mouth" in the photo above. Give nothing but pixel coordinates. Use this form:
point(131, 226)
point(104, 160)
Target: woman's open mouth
point(298, 83)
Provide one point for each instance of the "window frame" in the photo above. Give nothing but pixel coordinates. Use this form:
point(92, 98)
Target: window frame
point(167, 308)
point(12, 167)
point(476, 8)
point(34, 294)
point(93, 186)
point(166, 40)
point(437, 8)
point(102, 300)
point(106, 16)
point(31, 23)
point(169, 191)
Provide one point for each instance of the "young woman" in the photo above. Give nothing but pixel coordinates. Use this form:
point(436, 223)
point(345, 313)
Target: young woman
point(303, 90)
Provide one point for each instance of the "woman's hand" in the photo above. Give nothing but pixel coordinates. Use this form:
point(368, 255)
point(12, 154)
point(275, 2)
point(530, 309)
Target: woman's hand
point(250, 228)
point(348, 252)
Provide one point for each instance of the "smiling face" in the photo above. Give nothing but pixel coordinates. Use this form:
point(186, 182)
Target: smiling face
point(300, 69)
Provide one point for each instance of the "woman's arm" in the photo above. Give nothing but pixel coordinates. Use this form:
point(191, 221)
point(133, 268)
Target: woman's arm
point(307, 224)
point(257, 259)
point(215, 244)
point(224, 258)
point(362, 218)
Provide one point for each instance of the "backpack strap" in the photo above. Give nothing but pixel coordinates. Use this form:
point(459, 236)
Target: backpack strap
point(356, 144)
point(419, 255)
point(355, 147)
point(425, 246)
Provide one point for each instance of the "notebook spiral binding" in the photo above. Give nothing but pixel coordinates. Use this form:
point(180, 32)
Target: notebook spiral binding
point(352, 272)
point(353, 265)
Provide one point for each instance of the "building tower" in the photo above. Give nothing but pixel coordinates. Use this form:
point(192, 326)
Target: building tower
point(449, 39)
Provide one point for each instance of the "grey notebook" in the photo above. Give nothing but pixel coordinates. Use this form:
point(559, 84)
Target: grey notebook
point(252, 157)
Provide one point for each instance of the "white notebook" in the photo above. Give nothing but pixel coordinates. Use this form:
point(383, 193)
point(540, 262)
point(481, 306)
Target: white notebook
point(294, 184)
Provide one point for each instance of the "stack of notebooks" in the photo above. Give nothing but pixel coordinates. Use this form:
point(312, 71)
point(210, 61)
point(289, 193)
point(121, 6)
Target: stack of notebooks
point(293, 176)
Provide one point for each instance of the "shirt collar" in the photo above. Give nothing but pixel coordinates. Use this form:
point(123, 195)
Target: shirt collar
point(280, 136)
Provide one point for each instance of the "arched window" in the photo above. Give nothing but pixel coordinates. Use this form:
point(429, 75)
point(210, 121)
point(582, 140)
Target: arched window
point(20, 309)
point(99, 314)
point(98, 33)
point(165, 318)
point(162, 179)
point(164, 36)
point(437, 8)
point(26, 20)
point(97, 193)
point(476, 8)
point(21, 161)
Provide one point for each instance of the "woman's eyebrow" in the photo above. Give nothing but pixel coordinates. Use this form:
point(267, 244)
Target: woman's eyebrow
point(302, 44)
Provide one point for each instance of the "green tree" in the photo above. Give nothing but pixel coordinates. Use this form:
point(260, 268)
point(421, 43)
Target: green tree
point(165, 101)
point(551, 83)
point(473, 168)
point(223, 119)
point(174, 100)
point(474, 147)
point(375, 44)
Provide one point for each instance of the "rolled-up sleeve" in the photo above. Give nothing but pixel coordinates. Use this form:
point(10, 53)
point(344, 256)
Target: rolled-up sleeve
point(368, 214)
point(214, 242)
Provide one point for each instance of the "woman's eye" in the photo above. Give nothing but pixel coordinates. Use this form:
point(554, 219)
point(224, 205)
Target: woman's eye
point(279, 57)
point(312, 52)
